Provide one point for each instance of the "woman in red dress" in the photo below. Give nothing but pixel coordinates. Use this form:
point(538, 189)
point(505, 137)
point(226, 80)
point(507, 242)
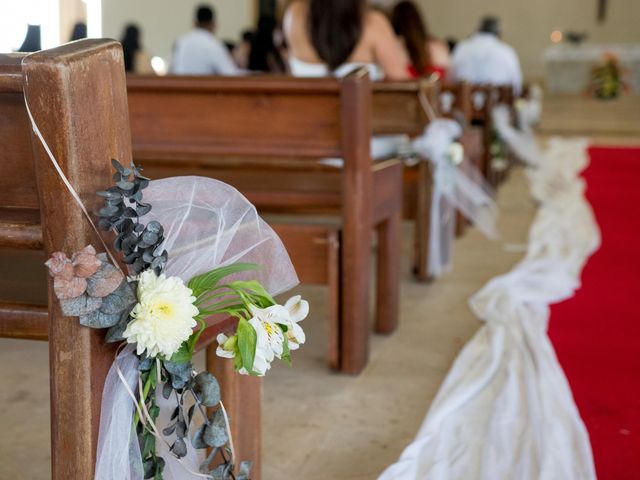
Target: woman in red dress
point(428, 54)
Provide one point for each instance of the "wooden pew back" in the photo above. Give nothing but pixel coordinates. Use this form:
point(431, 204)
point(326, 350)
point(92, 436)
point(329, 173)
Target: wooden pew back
point(78, 98)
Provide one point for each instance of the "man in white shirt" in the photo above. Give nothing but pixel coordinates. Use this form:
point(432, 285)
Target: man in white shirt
point(484, 58)
point(199, 52)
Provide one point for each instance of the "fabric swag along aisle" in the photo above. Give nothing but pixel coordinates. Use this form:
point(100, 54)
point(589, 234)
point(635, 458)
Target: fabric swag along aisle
point(193, 261)
point(505, 409)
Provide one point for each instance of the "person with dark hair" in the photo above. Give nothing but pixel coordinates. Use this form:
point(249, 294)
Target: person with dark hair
point(428, 54)
point(136, 60)
point(32, 41)
point(200, 52)
point(242, 50)
point(485, 58)
point(79, 32)
point(264, 55)
point(334, 36)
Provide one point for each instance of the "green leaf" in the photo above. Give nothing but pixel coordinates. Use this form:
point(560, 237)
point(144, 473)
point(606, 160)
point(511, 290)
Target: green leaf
point(247, 342)
point(183, 355)
point(149, 444)
point(286, 353)
point(209, 280)
point(256, 290)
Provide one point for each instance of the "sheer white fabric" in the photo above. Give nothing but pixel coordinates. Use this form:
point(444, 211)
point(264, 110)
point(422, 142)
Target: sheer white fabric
point(454, 188)
point(505, 410)
point(118, 450)
point(210, 224)
point(207, 224)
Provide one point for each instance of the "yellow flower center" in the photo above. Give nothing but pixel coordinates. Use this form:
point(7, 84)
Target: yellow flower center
point(164, 309)
point(268, 328)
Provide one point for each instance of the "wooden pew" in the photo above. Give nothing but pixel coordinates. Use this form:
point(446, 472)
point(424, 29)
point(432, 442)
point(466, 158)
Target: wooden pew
point(77, 94)
point(265, 135)
point(398, 109)
point(484, 99)
point(455, 102)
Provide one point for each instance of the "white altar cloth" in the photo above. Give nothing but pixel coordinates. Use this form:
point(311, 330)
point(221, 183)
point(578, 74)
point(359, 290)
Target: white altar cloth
point(569, 67)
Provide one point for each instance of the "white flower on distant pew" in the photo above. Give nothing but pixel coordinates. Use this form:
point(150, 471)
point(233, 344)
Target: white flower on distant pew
point(163, 318)
point(456, 153)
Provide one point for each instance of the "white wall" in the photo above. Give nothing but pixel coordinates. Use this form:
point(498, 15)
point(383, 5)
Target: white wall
point(162, 21)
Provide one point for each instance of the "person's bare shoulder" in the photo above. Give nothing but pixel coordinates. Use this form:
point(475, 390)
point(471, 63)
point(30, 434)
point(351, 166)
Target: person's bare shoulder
point(377, 20)
point(296, 9)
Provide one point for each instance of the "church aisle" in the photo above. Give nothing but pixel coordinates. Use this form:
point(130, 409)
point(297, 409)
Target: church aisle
point(596, 332)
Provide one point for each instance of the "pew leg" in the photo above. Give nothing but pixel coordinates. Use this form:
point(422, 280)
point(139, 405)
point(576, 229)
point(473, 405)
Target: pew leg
point(334, 314)
point(78, 361)
point(242, 397)
point(423, 219)
point(354, 299)
point(388, 274)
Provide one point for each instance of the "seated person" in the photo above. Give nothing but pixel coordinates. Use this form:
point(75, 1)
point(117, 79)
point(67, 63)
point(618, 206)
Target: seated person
point(484, 58)
point(335, 36)
point(428, 54)
point(199, 52)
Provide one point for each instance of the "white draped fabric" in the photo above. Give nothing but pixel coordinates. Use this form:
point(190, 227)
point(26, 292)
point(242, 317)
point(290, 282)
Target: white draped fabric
point(454, 189)
point(505, 410)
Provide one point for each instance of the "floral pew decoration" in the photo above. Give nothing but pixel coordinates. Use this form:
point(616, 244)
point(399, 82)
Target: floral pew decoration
point(457, 185)
point(201, 255)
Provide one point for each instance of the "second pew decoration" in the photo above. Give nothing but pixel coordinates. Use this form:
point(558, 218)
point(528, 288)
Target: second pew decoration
point(160, 318)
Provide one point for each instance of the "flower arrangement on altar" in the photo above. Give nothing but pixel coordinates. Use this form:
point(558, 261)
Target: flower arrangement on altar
point(159, 319)
point(607, 80)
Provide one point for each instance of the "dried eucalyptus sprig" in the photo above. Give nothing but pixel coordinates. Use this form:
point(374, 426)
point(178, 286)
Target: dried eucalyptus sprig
point(140, 245)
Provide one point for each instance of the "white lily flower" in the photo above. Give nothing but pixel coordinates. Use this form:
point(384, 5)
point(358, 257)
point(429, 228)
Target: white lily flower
point(226, 349)
point(266, 320)
point(264, 350)
point(298, 310)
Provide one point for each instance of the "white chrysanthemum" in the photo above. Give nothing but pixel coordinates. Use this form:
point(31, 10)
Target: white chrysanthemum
point(163, 318)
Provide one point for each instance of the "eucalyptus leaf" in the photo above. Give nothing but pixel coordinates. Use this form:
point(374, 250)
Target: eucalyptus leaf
point(180, 373)
point(123, 298)
point(82, 305)
point(116, 333)
point(215, 434)
point(98, 319)
point(169, 430)
point(179, 448)
point(197, 440)
point(207, 389)
point(149, 466)
point(106, 281)
point(146, 364)
point(166, 390)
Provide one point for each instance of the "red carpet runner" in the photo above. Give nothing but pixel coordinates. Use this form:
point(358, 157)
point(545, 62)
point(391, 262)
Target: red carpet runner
point(596, 333)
